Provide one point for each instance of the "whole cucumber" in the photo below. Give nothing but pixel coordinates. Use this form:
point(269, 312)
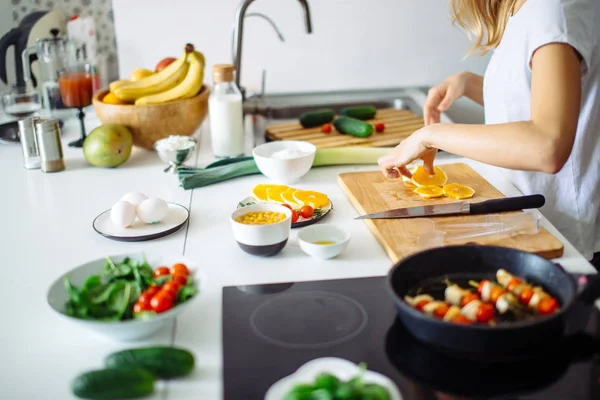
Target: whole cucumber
point(113, 383)
point(360, 112)
point(162, 361)
point(316, 118)
point(354, 127)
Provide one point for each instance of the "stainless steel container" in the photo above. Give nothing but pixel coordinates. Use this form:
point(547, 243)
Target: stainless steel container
point(29, 146)
point(47, 132)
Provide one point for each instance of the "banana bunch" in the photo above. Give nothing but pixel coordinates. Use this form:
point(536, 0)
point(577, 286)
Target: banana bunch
point(181, 79)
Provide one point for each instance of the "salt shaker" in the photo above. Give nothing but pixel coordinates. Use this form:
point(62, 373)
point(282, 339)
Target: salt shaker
point(29, 146)
point(47, 132)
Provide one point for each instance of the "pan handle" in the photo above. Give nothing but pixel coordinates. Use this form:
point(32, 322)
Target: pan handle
point(591, 289)
point(508, 204)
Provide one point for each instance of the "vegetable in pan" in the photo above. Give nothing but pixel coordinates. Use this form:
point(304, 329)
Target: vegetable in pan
point(535, 298)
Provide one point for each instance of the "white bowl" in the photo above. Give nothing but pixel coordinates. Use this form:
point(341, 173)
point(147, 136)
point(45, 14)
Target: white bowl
point(323, 232)
point(342, 369)
point(128, 330)
point(262, 240)
point(284, 171)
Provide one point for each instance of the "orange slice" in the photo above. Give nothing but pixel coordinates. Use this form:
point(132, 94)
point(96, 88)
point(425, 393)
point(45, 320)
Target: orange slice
point(274, 193)
point(422, 178)
point(288, 198)
point(260, 191)
point(429, 191)
point(310, 198)
point(458, 192)
point(408, 181)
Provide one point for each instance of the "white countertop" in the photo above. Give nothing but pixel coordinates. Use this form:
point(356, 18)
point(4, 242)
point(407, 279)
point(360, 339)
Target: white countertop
point(47, 230)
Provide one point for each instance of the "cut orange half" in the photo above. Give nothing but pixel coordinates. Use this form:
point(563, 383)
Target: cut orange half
point(422, 178)
point(260, 191)
point(274, 193)
point(456, 191)
point(310, 198)
point(429, 191)
point(288, 198)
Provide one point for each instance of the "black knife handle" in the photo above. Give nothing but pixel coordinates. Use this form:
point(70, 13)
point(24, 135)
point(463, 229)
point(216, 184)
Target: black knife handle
point(508, 204)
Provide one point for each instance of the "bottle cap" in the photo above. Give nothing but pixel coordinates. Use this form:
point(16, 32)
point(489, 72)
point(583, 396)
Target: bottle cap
point(223, 72)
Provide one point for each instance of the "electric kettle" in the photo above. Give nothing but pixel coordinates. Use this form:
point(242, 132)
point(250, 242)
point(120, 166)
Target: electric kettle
point(36, 25)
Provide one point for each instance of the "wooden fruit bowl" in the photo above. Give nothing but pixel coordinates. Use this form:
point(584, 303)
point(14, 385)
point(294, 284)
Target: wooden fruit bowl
point(150, 123)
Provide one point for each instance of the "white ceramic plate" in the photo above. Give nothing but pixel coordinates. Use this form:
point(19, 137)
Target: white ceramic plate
point(140, 231)
point(342, 369)
point(129, 330)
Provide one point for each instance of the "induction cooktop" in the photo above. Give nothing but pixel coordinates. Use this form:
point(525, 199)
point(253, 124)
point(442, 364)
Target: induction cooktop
point(269, 331)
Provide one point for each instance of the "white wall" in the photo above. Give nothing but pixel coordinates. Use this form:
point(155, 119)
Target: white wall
point(6, 25)
point(355, 44)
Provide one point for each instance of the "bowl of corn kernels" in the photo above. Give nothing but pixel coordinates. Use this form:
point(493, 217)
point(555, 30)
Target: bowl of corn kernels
point(262, 229)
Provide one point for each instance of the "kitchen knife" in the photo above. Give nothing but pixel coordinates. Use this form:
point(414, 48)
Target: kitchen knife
point(462, 207)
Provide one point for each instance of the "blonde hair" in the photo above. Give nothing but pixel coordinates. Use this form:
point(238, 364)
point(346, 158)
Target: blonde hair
point(483, 19)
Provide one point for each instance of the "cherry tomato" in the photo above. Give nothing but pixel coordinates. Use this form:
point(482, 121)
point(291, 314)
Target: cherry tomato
point(379, 127)
point(181, 279)
point(162, 302)
point(441, 311)
point(547, 306)
point(287, 206)
point(419, 306)
point(160, 271)
point(467, 298)
point(171, 287)
point(180, 269)
point(148, 294)
point(141, 307)
point(461, 319)
point(307, 211)
point(326, 128)
point(514, 282)
point(481, 285)
point(495, 294)
point(295, 216)
point(485, 313)
point(526, 295)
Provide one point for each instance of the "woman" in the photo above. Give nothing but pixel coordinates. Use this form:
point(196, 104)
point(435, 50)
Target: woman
point(541, 94)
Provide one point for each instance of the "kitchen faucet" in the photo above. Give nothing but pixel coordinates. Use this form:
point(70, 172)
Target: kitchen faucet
point(239, 33)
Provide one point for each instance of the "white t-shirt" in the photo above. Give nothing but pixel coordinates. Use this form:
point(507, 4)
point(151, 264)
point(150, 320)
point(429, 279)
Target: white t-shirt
point(572, 195)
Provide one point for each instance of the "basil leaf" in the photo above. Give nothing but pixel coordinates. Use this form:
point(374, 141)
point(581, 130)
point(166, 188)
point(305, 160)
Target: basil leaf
point(120, 299)
point(92, 283)
point(161, 280)
point(74, 293)
point(186, 292)
point(103, 296)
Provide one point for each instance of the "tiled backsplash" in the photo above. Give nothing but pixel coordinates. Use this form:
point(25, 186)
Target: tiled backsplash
point(100, 10)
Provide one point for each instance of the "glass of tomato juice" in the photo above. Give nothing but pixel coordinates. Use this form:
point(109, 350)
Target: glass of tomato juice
point(76, 90)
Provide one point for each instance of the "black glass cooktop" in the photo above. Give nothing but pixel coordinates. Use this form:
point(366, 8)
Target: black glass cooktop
point(269, 331)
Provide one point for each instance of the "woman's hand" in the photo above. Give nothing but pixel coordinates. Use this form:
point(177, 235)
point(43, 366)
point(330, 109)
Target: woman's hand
point(442, 96)
point(412, 148)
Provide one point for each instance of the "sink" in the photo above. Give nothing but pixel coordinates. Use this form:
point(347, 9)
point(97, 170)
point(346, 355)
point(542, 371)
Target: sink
point(280, 108)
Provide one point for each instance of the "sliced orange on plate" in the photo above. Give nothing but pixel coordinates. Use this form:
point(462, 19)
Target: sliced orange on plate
point(311, 198)
point(274, 193)
point(288, 198)
point(429, 191)
point(458, 192)
point(260, 191)
point(422, 178)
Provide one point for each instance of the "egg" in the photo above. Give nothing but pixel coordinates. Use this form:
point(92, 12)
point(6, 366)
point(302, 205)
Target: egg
point(122, 214)
point(134, 198)
point(152, 210)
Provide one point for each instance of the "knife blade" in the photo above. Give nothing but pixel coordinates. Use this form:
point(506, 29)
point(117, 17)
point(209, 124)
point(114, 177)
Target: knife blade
point(462, 207)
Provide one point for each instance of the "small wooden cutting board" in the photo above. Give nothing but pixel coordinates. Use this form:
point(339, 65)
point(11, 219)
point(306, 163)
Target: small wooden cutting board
point(371, 192)
point(399, 124)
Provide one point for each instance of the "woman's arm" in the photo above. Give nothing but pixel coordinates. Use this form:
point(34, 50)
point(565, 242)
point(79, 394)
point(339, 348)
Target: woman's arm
point(543, 143)
point(474, 87)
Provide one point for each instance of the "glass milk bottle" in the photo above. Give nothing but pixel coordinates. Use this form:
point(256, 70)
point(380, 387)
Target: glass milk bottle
point(226, 116)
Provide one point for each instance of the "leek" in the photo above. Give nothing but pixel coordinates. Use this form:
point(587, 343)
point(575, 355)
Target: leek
point(191, 178)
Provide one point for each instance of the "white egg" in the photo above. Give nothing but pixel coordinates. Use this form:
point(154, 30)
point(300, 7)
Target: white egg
point(122, 214)
point(152, 210)
point(134, 198)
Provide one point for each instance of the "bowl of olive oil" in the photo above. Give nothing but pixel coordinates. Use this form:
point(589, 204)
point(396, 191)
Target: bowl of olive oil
point(323, 241)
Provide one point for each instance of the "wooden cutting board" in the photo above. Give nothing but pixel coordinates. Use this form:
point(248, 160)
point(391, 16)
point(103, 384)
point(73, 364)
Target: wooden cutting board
point(398, 125)
point(371, 192)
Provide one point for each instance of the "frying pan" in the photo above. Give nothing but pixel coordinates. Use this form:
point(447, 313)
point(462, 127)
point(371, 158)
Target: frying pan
point(474, 262)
